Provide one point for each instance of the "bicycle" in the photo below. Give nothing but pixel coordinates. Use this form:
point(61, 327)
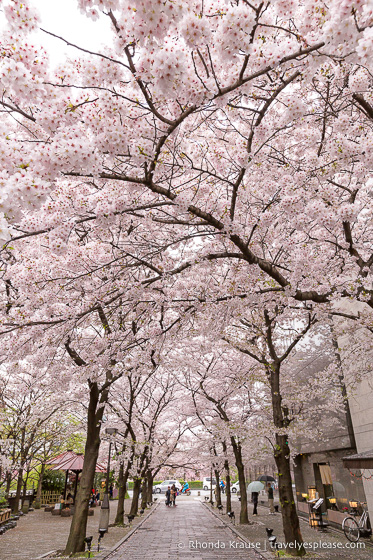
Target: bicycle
point(354, 530)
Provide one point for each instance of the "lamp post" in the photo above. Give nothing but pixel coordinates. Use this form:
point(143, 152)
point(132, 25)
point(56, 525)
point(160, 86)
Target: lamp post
point(105, 506)
point(211, 485)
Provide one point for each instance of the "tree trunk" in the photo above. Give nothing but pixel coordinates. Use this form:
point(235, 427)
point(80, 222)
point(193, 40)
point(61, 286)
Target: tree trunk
point(144, 493)
point(217, 489)
point(290, 518)
point(78, 526)
point(122, 486)
point(244, 519)
point(135, 497)
point(8, 484)
point(15, 507)
point(24, 495)
point(228, 487)
point(37, 502)
point(24, 489)
point(149, 487)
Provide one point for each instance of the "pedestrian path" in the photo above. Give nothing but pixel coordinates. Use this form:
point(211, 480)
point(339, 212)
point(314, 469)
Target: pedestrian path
point(185, 532)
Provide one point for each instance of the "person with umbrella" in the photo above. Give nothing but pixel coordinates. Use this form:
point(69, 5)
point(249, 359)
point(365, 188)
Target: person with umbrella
point(255, 487)
point(254, 499)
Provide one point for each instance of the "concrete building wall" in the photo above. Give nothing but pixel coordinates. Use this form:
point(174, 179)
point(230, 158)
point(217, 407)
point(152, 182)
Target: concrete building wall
point(361, 407)
point(360, 397)
point(345, 487)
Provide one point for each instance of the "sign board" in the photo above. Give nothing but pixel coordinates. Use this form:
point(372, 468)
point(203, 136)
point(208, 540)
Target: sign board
point(318, 503)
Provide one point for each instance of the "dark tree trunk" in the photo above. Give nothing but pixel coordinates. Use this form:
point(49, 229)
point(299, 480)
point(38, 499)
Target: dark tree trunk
point(15, 507)
point(24, 489)
point(78, 526)
point(149, 487)
point(37, 502)
point(217, 489)
point(290, 518)
point(135, 497)
point(122, 487)
point(8, 484)
point(144, 493)
point(228, 487)
point(244, 519)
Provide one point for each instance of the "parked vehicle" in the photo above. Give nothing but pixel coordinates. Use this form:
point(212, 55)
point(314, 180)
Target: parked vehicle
point(235, 487)
point(162, 487)
point(206, 483)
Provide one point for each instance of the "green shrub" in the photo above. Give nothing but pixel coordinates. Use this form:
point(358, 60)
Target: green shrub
point(53, 480)
point(195, 484)
point(3, 502)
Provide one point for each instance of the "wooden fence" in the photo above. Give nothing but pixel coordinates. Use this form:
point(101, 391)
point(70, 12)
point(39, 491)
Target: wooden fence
point(49, 497)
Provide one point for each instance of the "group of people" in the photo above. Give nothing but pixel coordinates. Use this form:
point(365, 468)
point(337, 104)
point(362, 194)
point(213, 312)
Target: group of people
point(68, 502)
point(94, 499)
point(171, 494)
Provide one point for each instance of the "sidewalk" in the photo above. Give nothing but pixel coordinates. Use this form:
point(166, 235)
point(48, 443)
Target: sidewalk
point(39, 532)
point(322, 545)
point(187, 532)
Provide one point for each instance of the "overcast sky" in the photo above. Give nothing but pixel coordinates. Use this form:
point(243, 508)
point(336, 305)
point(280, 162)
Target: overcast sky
point(63, 18)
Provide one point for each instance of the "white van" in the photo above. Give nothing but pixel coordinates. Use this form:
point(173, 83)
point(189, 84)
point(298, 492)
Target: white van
point(206, 483)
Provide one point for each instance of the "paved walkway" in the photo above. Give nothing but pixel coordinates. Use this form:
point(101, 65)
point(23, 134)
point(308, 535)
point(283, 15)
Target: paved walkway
point(187, 532)
point(331, 545)
point(39, 532)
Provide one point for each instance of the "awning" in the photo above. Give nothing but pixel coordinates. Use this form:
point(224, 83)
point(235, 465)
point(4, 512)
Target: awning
point(326, 475)
point(70, 461)
point(359, 460)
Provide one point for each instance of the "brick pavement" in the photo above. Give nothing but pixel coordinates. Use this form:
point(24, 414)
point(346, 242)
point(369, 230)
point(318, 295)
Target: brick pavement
point(257, 533)
point(187, 532)
point(39, 532)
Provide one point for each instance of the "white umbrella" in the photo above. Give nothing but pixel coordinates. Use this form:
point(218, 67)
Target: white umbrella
point(255, 486)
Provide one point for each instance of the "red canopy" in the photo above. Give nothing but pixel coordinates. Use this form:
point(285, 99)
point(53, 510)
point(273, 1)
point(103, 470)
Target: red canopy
point(69, 454)
point(70, 461)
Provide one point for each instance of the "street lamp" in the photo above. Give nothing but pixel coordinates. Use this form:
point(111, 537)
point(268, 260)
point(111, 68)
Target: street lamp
point(105, 505)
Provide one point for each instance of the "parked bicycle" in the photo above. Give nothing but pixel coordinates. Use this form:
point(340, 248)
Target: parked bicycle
point(354, 530)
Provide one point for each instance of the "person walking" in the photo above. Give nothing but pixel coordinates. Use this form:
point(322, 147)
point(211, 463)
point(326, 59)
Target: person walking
point(111, 491)
point(270, 499)
point(254, 499)
point(168, 496)
point(222, 486)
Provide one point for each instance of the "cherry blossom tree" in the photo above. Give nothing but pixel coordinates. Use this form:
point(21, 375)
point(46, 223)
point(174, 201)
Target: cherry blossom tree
point(216, 153)
point(30, 409)
point(223, 404)
point(194, 114)
point(269, 336)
